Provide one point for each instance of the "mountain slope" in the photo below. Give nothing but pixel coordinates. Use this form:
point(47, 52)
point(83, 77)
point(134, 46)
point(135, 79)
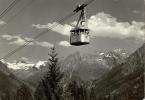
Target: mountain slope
point(85, 68)
point(124, 78)
point(88, 67)
point(8, 82)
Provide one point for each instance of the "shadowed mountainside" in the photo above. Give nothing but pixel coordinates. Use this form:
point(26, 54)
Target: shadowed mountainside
point(126, 79)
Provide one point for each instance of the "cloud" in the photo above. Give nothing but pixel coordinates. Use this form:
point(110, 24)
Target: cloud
point(104, 25)
point(136, 11)
point(24, 59)
point(44, 44)
point(18, 40)
point(2, 22)
point(61, 29)
point(7, 37)
point(64, 43)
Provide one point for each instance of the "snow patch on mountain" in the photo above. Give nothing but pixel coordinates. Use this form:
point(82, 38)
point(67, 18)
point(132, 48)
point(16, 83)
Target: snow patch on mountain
point(22, 65)
point(40, 63)
point(19, 65)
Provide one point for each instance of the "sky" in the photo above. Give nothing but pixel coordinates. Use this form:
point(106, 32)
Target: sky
point(112, 24)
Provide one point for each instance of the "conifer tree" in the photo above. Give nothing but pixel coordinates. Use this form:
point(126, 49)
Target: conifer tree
point(23, 93)
point(51, 83)
point(76, 91)
point(39, 92)
point(7, 95)
point(73, 90)
point(92, 94)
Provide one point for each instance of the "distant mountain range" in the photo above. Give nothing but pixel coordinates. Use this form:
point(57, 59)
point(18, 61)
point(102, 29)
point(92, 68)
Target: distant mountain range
point(85, 67)
point(88, 67)
point(13, 75)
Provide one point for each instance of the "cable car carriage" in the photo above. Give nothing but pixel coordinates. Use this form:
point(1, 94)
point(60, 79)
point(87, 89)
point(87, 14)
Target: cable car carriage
point(79, 35)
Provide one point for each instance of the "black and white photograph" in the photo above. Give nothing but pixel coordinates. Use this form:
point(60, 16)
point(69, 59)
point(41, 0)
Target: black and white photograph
point(72, 49)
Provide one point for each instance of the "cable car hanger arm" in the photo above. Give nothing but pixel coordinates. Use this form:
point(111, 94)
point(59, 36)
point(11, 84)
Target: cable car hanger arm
point(82, 6)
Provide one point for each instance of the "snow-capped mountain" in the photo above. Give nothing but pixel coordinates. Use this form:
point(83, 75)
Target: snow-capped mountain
point(91, 66)
point(83, 66)
point(109, 58)
point(21, 65)
point(112, 58)
point(21, 69)
point(100, 57)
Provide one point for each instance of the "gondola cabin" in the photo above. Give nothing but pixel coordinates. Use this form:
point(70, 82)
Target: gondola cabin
point(79, 35)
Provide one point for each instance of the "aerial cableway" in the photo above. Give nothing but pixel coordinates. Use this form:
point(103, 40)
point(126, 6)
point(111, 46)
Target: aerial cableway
point(59, 21)
point(79, 35)
point(10, 6)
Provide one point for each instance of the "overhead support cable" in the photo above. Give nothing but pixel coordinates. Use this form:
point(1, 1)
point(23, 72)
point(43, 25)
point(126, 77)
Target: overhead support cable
point(37, 36)
point(42, 33)
point(8, 8)
point(15, 15)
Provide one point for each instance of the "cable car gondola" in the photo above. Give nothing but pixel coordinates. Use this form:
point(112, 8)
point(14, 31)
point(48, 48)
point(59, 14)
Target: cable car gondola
point(79, 35)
